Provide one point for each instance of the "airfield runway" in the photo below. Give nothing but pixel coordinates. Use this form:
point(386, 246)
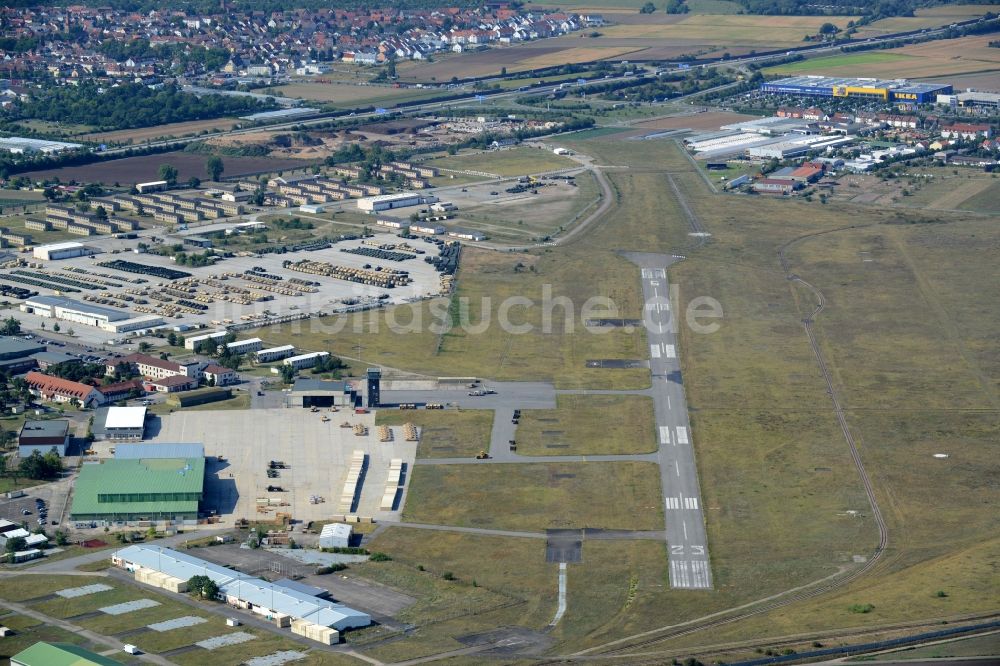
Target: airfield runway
point(685, 520)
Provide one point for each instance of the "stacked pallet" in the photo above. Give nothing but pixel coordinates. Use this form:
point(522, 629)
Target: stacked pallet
point(392, 484)
point(353, 482)
point(360, 429)
point(410, 432)
point(384, 433)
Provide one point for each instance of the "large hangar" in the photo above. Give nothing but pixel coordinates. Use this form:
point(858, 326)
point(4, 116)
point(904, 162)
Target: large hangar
point(896, 90)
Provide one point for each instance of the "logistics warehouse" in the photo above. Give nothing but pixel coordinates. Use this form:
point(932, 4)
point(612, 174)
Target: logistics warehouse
point(898, 90)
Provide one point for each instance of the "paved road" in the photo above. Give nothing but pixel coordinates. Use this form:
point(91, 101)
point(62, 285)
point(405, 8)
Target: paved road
point(685, 520)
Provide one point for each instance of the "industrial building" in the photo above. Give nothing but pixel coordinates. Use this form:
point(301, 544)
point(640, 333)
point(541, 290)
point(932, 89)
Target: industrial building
point(274, 353)
point(19, 355)
point(22, 146)
point(287, 606)
point(245, 346)
point(106, 319)
point(157, 450)
point(192, 342)
point(310, 393)
point(127, 423)
point(60, 654)
point(894, 91)
point(43, 436)
point(971, 98)
point(389, 201)
point(57, 251)
point(139, 489)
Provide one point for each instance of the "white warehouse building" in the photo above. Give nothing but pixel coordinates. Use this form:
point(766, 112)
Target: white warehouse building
point(245, 346)
point(288, 606)
point(106, 319)
point(57, 251)
point(305, 360)
point(192, 342)
point(274, 353)
point(388, 201)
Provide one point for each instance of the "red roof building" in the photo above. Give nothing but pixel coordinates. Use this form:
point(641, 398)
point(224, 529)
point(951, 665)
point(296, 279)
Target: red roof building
point(56, 389)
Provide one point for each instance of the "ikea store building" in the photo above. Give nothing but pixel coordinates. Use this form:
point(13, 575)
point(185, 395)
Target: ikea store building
point(894, 91)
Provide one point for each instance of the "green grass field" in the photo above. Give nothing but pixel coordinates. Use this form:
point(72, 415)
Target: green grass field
point(444, 434)
point(513, 162)
point(537, 496)
point(588, 425)
point(28, 631)
point(838, 63)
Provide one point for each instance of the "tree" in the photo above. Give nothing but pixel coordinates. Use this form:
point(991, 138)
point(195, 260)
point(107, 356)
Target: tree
point(15, 544)
point(10, 326)
point(203, 586)
point(168, 173)
point(828, 29)
point(287, 374)
point(648, 8)
point(214, 167)
point(37, 466)
point(101, 213)
point(172, 339)
point(145, 346)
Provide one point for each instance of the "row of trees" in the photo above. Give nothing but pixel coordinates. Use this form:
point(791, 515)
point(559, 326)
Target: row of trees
point(130, 105)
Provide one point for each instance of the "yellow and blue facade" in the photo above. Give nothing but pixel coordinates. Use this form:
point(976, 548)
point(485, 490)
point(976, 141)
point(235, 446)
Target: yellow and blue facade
point(890, 91)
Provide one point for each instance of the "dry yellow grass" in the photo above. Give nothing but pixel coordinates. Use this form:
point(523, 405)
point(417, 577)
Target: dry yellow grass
point(346, 93)
point(735, 29)
point(581, 54)
point(931, 17)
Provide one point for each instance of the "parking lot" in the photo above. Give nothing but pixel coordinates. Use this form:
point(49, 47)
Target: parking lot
point(52, 494)
point(317, 454)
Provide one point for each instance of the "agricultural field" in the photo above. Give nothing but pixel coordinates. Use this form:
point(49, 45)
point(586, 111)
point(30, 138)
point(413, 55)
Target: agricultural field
point(925, 17)
point(537, 496)
point(130, 170)
point(543, 53)
point(514, 162)
point(352, 96)
point(966, 55)
point(709, 120)
point(170, 130)
point(743, 29)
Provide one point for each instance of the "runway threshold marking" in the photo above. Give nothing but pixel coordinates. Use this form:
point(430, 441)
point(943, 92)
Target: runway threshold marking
point(669, 351)
point(682, 435)
point(664, 434)
point(654, 351)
